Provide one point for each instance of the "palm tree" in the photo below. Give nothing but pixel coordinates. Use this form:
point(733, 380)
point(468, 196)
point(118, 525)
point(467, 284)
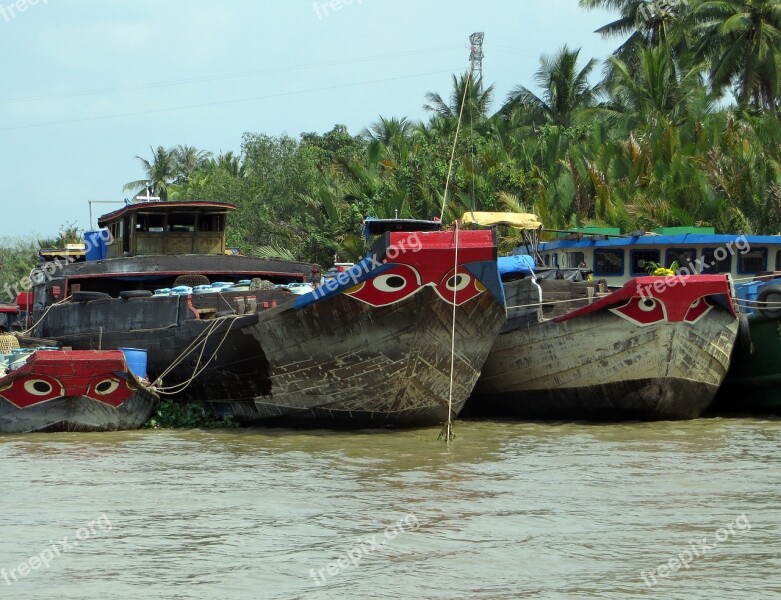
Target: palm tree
point(161, 172)
point(386, 131)
point(188, 160)
point(229, 163)
point(741, 40)
point(467, 91)
point(565, 89)
point(656, 87)
point(646, 22)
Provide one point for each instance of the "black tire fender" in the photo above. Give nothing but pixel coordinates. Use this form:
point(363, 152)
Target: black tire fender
point(127, 295)
point(88, 296)
point(769, 301)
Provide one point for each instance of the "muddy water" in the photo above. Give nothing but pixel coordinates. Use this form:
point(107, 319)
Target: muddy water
point(511, 510)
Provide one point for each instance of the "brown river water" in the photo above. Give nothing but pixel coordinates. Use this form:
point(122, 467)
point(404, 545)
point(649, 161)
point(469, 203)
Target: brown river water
point(509, 510)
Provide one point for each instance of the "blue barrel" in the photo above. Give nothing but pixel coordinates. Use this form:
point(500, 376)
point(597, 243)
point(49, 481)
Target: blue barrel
point(97, 249)
point(136, 361)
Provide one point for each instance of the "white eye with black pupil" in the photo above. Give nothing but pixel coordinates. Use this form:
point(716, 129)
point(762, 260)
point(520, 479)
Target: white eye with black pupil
point(38, 387)
point(458, 283)
point(647, 305)
point(106, 387)
point(390, 283)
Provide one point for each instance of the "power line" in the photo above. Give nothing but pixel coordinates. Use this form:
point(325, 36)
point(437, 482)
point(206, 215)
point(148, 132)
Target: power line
point(222, 102)
point(208, 78)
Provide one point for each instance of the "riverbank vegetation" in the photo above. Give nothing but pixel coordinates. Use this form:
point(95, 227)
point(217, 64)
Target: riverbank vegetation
point(682, 129)
point(679, 127)
point(172, 414)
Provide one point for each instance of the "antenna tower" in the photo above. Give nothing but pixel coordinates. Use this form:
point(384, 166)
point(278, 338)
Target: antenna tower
point(476, 56)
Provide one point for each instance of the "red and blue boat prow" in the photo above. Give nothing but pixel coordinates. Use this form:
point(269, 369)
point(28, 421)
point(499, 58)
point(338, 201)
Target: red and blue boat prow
point(396, 340)
point(73, 390)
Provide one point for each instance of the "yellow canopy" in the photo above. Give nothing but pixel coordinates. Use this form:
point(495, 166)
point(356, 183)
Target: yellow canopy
point(518, 220)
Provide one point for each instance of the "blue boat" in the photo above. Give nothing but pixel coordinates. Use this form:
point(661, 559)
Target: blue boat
point(753, 383)
point(618, 258)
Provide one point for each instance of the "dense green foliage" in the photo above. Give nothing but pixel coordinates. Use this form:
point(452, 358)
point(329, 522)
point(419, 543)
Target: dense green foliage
point(19, 256)
point(683, 129)
point(186, 415)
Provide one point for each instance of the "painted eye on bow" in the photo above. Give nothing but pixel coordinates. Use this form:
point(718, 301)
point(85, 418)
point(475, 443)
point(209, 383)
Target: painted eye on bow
point(111, 390)
point(461, 286)
point(392, 285)
point(641, 311)
point(699, 308)
point(106, 387)
point(33, 389)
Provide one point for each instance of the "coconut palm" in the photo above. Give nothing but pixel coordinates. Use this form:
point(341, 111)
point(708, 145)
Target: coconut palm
point(229, 163)
point(467, 91)
point(565, 89)
point(386, 130)
point(655, 87)
point(741, 41)
point(646, 22)
point(161, 173)
point(189, 159)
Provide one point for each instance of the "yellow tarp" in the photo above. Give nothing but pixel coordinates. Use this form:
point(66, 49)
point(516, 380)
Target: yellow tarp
point(519, 220)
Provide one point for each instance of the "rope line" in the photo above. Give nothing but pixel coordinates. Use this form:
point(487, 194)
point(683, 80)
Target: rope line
point(455, 143)
point(449, 427)
point(43, 316)
point(200, 341)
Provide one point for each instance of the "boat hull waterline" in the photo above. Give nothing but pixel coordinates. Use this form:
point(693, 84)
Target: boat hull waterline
point(61, 390)
point(375, 350)
point(601, 363)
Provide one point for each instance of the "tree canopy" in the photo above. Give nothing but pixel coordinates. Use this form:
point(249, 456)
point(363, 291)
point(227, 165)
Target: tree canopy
point(682, 129)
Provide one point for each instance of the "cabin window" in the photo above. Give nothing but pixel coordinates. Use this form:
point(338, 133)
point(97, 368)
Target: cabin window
point(685, 258)
point(575, 259)
point(181, 222)
point(716, 260)
point(778, 260)
point(754, 261)
point(151, 223)
point(608, 262)
point(211, 223)
point(546, 260)
point(640, 260)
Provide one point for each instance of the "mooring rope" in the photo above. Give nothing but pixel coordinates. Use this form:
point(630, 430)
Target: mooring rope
point(448, 432)
point(455, 143)
point(43, 316)
point(201, 340)
point(758, 303)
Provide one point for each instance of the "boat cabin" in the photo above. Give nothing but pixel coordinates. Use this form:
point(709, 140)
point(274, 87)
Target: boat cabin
point(619, 258)
point(69, 254)
point(148, 247)
point(166, 228)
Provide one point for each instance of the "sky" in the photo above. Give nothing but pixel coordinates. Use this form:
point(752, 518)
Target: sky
point(89, 84)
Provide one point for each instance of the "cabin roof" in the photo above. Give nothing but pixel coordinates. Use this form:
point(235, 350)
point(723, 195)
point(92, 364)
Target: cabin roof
point(379, 226)
point(163, 206)
point(658, 240)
